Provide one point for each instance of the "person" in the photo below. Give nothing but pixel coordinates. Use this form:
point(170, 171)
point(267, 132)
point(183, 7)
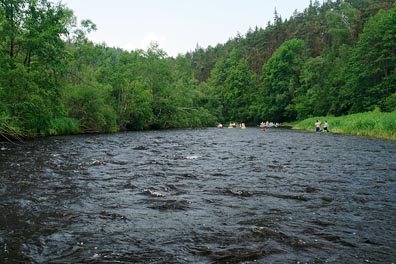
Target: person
point(317, 125)
point(325, 126)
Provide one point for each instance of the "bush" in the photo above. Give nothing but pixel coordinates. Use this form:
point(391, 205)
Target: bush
point(88, 105)
point(390, 102)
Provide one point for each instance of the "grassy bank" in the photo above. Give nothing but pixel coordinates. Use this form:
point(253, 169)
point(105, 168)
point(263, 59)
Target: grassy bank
point(12, 131)
point(372, 124)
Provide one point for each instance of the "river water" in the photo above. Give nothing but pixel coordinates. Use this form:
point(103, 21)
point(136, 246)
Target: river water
point(199, 196)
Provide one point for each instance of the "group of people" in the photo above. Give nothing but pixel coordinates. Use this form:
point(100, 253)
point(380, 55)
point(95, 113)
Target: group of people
point(268, 124)
point(318, 125)
point(232, 125)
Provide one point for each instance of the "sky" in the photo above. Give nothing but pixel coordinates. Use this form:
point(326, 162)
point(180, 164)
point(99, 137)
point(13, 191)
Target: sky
point(178, 26)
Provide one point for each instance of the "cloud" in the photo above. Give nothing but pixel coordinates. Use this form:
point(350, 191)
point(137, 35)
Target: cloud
point(130, 44)
point(143, 43)
point(151, 37)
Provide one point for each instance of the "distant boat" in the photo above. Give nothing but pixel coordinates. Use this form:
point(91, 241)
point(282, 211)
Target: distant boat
point(268, 125)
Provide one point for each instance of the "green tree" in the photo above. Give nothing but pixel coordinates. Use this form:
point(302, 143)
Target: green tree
point(340, 24)
point(88, 103)
point(32, 62)
point(311, 95)
point(131, 94)
point(233, 86)
point(372, 75)
point(281, 78)
point(86, 97)
point(157, 75)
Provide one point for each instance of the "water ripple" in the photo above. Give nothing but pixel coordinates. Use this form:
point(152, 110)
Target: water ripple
point(199, 196)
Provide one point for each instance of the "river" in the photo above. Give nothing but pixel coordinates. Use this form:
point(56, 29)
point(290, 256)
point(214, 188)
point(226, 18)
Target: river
point(199, 196)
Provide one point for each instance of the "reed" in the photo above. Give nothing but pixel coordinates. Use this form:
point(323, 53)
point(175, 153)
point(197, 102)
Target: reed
point(373, 124)
point(11, 131)
point(64, 126)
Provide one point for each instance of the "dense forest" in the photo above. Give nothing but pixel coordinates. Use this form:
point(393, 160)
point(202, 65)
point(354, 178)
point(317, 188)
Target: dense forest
point(334, 58)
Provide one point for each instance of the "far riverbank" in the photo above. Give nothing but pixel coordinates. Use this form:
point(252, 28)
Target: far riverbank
point(371, 124)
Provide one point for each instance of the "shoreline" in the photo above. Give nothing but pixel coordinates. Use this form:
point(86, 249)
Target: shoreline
point(373, 124)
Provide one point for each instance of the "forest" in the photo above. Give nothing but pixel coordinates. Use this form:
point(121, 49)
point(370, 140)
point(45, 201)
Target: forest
point(334, 58)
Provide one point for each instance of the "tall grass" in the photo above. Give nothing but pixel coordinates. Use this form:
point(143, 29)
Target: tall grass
point(372, 124)
point(64, 126)
point(11, 131)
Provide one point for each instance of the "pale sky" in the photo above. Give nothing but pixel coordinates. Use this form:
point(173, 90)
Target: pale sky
point(177, 25)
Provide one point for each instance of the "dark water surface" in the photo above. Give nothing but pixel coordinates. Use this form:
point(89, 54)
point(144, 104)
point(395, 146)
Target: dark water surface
point(199, 196)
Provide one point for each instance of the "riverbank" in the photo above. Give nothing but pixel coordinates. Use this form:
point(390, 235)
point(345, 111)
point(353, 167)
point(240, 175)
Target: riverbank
point(13, 131)
point(371, 124)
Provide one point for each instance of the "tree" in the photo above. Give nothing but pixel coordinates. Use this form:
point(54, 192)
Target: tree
point(32, 62)
point(373, 64)
point(130, 92)
point(311, 95)
point(233, 85)
point(280, 78)
point(341, 24)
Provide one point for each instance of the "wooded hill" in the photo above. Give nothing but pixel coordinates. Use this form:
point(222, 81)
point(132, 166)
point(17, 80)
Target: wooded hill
point(334, 58)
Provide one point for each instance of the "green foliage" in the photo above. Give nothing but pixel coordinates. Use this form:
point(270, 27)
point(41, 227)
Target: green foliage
point(31, 62)
point(390, 103)
point(388, 123)
point(64, 126)
point(88, 105)
point(281, 78)
point(373, 64)
point(329, 60)
point(137, 108)
point(311, 95)
point(340, 24)
point(233, 85)
point(144, 89)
